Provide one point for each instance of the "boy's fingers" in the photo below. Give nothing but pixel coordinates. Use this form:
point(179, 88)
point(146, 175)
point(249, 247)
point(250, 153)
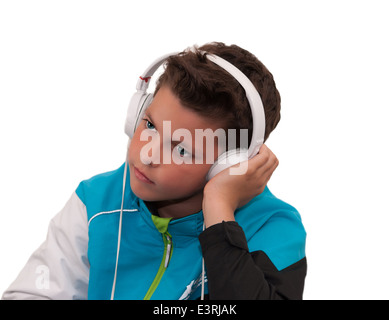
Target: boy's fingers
point(262, 163)
point(264, 156)
point(265, 162)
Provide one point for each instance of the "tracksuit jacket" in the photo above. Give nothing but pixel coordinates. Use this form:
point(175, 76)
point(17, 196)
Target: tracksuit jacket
point(260, 256)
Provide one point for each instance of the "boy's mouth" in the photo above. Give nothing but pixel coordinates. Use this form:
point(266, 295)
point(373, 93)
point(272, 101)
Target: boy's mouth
point(141, 176)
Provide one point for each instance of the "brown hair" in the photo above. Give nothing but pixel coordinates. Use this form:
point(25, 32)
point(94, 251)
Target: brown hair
point(212, 92)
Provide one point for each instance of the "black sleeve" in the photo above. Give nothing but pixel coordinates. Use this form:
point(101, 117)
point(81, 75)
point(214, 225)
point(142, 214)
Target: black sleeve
point(235, 273)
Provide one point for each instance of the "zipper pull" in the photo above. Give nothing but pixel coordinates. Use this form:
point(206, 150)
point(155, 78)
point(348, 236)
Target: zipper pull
point(168, 250)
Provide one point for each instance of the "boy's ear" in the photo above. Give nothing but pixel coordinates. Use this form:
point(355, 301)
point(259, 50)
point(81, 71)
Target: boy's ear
point(140, 101)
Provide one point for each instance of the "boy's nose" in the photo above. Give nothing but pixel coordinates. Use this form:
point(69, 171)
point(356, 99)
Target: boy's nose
point(150, 160)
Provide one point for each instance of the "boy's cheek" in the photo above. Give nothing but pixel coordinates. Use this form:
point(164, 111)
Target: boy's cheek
point(134, 150)
point(190, 177)
point(179, 178)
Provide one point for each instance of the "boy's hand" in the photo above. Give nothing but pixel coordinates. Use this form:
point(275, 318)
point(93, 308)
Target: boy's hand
point(225, 193)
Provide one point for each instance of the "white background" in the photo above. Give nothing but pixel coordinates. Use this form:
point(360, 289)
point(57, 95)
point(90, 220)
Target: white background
point(69, 68)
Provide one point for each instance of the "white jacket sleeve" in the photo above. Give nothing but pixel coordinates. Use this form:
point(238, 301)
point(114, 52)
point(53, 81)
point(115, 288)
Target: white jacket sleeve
point(59, 268)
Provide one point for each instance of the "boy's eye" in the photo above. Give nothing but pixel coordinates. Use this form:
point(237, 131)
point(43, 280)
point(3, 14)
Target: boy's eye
point(149, 125)
point(182, 152)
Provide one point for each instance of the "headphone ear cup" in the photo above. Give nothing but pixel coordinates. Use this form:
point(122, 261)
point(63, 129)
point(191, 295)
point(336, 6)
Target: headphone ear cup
point(136, 109)
point(228, 159)
point(144, 104)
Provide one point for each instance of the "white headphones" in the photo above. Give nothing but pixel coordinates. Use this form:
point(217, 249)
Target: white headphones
point(141, 100)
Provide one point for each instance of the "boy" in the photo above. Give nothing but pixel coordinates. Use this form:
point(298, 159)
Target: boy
point(253, 244)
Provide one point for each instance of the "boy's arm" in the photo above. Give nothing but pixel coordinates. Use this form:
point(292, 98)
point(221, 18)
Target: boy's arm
point(226, 191)
point(59, 268)
point(235, 273)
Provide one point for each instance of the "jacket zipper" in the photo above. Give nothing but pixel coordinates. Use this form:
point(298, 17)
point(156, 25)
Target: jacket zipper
point(168, 250)
point(167, 253)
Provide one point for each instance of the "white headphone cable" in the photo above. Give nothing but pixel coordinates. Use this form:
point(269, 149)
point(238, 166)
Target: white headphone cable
point(202, 272)
point(120, 228)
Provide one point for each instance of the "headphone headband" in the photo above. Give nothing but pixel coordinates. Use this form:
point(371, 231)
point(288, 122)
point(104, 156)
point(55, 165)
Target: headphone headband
point(255, 102)
point(143, 81)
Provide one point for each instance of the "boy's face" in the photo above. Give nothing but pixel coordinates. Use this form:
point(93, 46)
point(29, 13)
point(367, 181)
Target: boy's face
point(157, 148)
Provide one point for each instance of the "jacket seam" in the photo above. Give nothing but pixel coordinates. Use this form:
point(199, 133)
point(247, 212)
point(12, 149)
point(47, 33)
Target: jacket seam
point(109, 212)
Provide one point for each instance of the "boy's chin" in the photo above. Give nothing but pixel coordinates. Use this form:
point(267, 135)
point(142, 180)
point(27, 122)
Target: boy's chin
point(143, 193)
